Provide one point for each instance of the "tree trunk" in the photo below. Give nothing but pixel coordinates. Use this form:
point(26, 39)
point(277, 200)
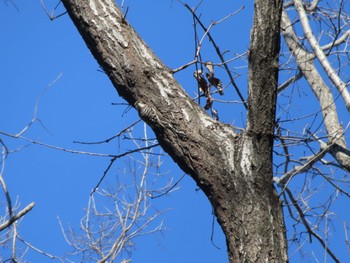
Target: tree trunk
point(234, 170)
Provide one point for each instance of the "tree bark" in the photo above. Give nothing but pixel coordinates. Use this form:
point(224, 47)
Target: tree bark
point(234, 170)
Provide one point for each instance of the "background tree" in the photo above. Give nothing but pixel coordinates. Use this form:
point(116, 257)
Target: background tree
point(237, 173)
point(234, 169)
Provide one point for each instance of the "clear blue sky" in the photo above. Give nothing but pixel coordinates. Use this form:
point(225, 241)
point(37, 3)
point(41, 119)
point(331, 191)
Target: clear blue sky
point(34, 53)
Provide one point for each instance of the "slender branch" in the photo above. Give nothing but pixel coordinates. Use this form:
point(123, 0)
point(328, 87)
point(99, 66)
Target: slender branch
point(17, 216)
point(56, 147)
point(169, 190)
point(117, 157)
point(217, 49)
point(312, 6)
point(125, 130)
point(103, 176)
point(336, 42)
point(13, 4)
point(52, 16)
point(2, 181)
point(212, 229)
point(308, 228)
point(184, 66)
point(310, 161)
point(289, 81)
point(141, 195)
point(39, 250)
point(338, 83)
point(74, 151)
point(320, 90)
point(35, 118)
point(346, 238)
point(14, 240)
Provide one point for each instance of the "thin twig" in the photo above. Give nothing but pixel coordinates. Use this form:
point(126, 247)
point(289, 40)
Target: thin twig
point(52, 16)
point(168, 190)
point(217, 49)
point(333, 76)
point(212, 229)
point(113, 137)
point(117, 157)
point(184, 66)
point(308, 228)
point(2, 181)
point(34, 118)
point(39, 250)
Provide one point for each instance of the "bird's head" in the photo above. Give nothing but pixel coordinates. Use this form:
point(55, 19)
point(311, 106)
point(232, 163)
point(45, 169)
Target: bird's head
point(209, 66)
point(197, 74)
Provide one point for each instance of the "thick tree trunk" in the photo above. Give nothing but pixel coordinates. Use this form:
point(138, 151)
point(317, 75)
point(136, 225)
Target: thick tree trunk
point(234, 170)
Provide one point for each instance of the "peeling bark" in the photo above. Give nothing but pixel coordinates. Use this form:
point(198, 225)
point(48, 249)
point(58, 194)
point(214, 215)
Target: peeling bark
point(234, 170)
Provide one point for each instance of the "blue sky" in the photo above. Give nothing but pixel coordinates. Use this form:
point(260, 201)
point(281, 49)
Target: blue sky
point(37, 53)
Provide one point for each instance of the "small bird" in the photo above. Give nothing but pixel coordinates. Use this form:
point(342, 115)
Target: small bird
point(197, 74)
point(202, 83)
point(212, 80)
point(203, 87)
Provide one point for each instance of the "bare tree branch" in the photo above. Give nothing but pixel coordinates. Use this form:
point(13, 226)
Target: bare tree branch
point(340, 85)
point(321, 91)
point(309, 230)
point(217, 49)
point(17, 216)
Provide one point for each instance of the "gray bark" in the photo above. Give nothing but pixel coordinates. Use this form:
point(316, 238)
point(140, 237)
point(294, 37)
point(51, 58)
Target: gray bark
point(234, 170)
point(336, 140)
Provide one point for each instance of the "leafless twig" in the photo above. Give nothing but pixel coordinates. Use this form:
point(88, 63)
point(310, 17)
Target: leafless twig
point(52, 15)
point(217, 49)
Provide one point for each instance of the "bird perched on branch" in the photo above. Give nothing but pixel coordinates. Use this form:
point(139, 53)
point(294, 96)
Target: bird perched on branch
point(203, 87)
point(212, 80)
point(202, 83)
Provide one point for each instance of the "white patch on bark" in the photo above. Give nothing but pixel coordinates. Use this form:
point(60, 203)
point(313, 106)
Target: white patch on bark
point(229, 154)
point(121, 40)
point(168, 75)
point(110, 62)
point(187, 117)
point(93, 7)
point(110, 8)
point(207, 121)
point(166, 84)
point(163, 87)
point(181, 94)
point(107, 21)
point(162, 92)
point(189, 104)
point(246, 160)
point(145, 53)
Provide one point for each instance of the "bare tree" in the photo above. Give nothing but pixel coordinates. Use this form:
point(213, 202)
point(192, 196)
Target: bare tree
point(115, 217)
point(233, 169)
point(235, 176)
